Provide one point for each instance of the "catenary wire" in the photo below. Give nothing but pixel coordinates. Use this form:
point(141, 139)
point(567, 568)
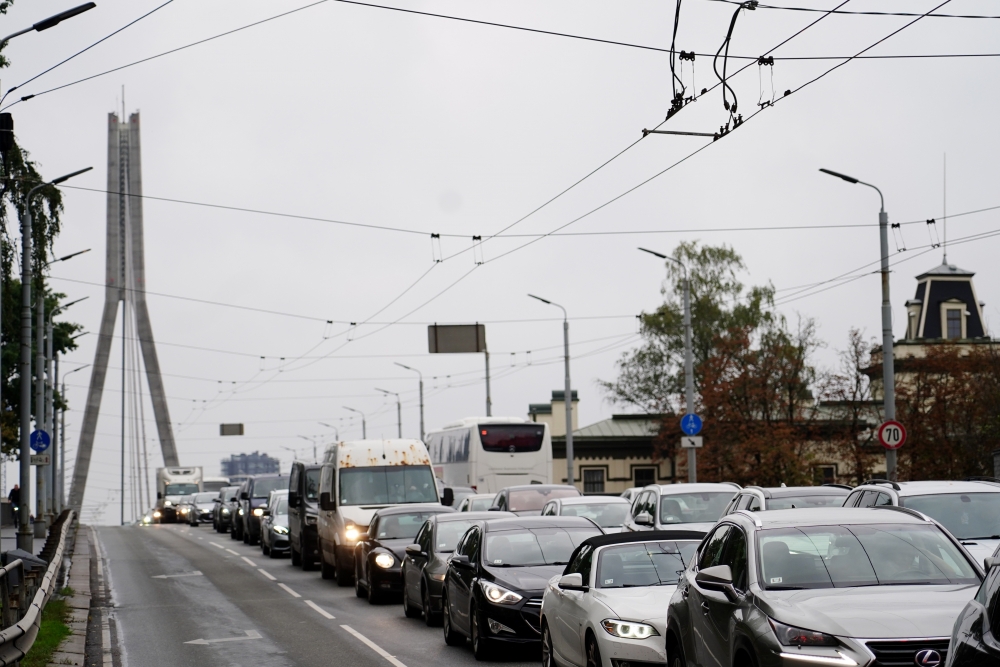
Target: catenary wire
point(862, 13)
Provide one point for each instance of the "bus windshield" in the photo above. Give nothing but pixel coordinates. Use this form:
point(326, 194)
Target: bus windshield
point(387, 485)
point(511, 438)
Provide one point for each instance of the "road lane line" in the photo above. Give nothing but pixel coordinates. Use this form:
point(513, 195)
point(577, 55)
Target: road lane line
point(248, 561)
point(322, 612)
point(290, 591)
point(232, 552)
point(375, 647)
point(266, 574)
point(216, 544)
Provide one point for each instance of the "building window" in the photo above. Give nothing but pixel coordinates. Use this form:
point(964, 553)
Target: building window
point(593, 480)
point(954, 323)
point(644, 476)
point(825, 474)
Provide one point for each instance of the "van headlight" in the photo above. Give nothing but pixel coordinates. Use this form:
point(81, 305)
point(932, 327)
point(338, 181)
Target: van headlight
point(156, 514)
point(628, 629)
point(167, 503)
point(384, 561)
point(351, 532)
point(259, 511)
point(498, 594)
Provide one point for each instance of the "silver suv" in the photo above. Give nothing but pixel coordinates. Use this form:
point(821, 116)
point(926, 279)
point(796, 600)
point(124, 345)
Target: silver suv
point(665, 506)
point(969, 509)
point(826, 586)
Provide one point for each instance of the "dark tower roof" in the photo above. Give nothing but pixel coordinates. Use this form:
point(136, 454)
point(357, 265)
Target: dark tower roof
point(945, 294)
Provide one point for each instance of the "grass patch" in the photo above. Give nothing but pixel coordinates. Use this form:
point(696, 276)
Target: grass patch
point(51, 633)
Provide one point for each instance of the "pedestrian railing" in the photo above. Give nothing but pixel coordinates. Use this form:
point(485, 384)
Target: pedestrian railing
point(23, 595)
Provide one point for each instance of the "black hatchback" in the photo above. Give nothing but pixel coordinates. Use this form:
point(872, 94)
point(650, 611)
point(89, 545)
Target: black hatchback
point(495, 580)
point(975, 639)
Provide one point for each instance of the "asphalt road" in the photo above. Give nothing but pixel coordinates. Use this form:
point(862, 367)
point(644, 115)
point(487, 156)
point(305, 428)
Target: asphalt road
point(252, 610)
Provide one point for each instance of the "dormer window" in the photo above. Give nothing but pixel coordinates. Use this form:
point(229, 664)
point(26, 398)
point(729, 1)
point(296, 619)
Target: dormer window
point(953, 323)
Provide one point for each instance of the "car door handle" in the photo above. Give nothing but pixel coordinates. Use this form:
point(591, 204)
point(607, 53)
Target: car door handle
point(705, 608)
point(685, 593)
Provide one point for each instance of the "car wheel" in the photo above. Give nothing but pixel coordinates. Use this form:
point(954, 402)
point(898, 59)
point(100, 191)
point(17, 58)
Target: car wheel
point(480, 644)
point(408, 609)
point(360, 592)
point(326, 570)
point(548, 660)
point(344, 577)
point(675, 654)
point(264, 549)
point(272, 553)
point(430, 618)
point(307, 559)
point(593, 652)
point(296, 558)
point(374, 597)
point(745, 658)
point(451, 635)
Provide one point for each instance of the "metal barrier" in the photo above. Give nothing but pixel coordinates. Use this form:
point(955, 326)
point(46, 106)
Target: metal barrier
point(21, 619)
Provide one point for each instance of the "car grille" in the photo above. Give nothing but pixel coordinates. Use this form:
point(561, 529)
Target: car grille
point(902, 653)
point(531, 613)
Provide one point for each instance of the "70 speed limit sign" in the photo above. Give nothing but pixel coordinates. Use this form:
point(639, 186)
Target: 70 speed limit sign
point(891, 434)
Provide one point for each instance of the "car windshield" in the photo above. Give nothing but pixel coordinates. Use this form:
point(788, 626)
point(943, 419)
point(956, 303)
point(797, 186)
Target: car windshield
point(793, 502)
point(229, 492)
point(537, 546)
point(202, 498)
point(312, 484)
point(967, 516)
point(383, 485)
point(400, 526)
point(605, 515)
point(860, 555)
point(281, 507)
point(525, 500)
point(180, 489)
point(644, 563)
point(448, 533)
point(480, 504)
point(263, 487)
point(694, 507)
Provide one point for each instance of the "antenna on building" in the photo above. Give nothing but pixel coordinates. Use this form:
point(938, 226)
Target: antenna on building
point(945, 195)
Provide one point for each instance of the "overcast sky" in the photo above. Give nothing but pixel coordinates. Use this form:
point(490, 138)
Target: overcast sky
point(364, 115)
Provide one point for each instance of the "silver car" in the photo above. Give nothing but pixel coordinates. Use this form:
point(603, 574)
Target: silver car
point(274, 540)
point(826, 586)
point(608, 512)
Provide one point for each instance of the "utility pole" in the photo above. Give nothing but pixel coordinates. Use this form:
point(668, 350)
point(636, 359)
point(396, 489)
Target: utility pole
point(568, 395)
point(399, 411)
point(421, 375)
point(51, 421)
point(364, 428)
point(888, 354)
point(41, 506)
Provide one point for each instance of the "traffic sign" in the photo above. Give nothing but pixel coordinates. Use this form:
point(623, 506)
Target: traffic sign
point(41, 459)
point(691, 442)
point(891, 434)
point(691, 424)
point(39, 441)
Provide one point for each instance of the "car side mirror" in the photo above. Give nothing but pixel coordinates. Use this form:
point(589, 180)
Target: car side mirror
point(233, 499)
point(718, 578)
point(265, 513)
point(448, 496)
point(990, 563)
point(644, 519)
point(362, 537)
point(462, 561)
point(159, 496)
point(326, 502)
point(495, 508)
point(414, 550)
point(244, 495)
point(293, 499)
point(573, 582)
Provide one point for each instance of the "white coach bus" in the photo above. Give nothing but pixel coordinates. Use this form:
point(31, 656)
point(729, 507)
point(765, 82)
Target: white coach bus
point(491, 453)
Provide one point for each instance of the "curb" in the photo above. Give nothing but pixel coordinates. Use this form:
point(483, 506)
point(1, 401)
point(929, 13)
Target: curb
point(72, 650)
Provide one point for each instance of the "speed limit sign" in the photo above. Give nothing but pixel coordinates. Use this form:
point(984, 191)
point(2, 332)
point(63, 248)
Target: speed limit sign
point(891, 434)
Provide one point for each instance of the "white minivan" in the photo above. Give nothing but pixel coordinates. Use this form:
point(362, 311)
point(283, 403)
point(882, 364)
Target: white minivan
point(359, 478)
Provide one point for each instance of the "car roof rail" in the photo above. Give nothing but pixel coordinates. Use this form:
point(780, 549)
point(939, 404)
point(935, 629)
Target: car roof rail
point(881, 481)
point(753, 517)
point(988, 480)
point(905, 510)
point(740, 488)
point(841, 486)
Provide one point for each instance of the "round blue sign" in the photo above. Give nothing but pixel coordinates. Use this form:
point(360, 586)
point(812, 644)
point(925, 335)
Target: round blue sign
point(39, 441)
point(691, 424)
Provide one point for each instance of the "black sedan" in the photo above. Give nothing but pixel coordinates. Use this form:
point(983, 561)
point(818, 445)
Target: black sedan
point(225, 508)
point(379, 552)
point(495, 580)
point(426, 561)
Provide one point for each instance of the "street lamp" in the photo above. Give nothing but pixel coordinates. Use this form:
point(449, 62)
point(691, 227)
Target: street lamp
point(688, 360)
point(51, 22)
point(888, 357)
point(62, 434)
point(336, 431)
point(399, 411)
point(313, 441)
point(568, 396)
point(25, 539)
point(364, 428)
point(421, 375)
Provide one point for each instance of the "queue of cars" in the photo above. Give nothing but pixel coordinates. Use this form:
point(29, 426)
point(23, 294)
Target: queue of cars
point(702, 575)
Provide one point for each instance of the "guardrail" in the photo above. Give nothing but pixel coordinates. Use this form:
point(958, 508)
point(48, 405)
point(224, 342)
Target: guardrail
point(19, 617)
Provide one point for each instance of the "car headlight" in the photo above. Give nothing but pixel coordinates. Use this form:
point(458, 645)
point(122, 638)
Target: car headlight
point(241, 511)
point(438, 577)
point(259, 511)
point(156, 514)
point(281, 530)
point(628, 629)
point(384, 561)
point(225, 512)
point(791, 636)
point(351, 533)
point(310, 521)
point(167, 503)
point(498, 594)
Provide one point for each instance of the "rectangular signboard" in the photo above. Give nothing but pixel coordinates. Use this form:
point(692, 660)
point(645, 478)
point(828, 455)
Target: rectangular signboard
point(41, 459)
point(230, 429)
point(691, 442)
point(456, 338)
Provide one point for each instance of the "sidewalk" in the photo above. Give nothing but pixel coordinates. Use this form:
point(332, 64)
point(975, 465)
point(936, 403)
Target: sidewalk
point(8, 540)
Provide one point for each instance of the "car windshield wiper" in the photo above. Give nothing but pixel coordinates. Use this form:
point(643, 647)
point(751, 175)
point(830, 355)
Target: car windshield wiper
point(560, 562)
point(981, 537)
point(786, 588)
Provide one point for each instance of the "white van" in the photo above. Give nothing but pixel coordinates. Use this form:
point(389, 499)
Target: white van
point(359, 478)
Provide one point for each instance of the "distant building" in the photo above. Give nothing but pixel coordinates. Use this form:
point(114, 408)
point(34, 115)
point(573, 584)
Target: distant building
point(240, 466)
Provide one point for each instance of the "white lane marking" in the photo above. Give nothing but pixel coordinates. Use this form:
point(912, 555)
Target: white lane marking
point(248, 561)
point(290, 591)
point(216, 544)
point(196, 573)
point(251, 634)
point(232, 552)
point(375, 647)
point(201, 538)
point(266, 574)
point(322, 612)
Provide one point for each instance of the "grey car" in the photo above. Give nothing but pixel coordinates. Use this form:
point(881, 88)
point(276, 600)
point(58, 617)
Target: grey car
point(832, 586)
point(274, 540)
point(760, 498)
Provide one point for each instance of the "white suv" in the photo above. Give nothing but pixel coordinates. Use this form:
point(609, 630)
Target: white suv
point(665, 506)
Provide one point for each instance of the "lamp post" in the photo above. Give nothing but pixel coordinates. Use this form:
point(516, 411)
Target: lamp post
point(688, 360)
point(62, 434)
point(336, 431)
point(888, 357)
point(25, 538)
point(51, 22)
point(421, 375)
point(364, 428)
point(399, 411)
point(568, 396)
point(313, 441)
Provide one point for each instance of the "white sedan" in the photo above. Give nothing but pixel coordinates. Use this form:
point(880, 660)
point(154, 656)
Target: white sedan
point(611, 601)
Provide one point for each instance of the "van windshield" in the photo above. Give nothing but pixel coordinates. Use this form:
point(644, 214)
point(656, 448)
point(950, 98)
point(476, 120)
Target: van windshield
point(312, 484)
point(180, 489)
point(387, 485)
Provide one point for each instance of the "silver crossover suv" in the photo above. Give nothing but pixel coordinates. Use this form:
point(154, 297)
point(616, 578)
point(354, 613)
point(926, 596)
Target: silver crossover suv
point(826, 586)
